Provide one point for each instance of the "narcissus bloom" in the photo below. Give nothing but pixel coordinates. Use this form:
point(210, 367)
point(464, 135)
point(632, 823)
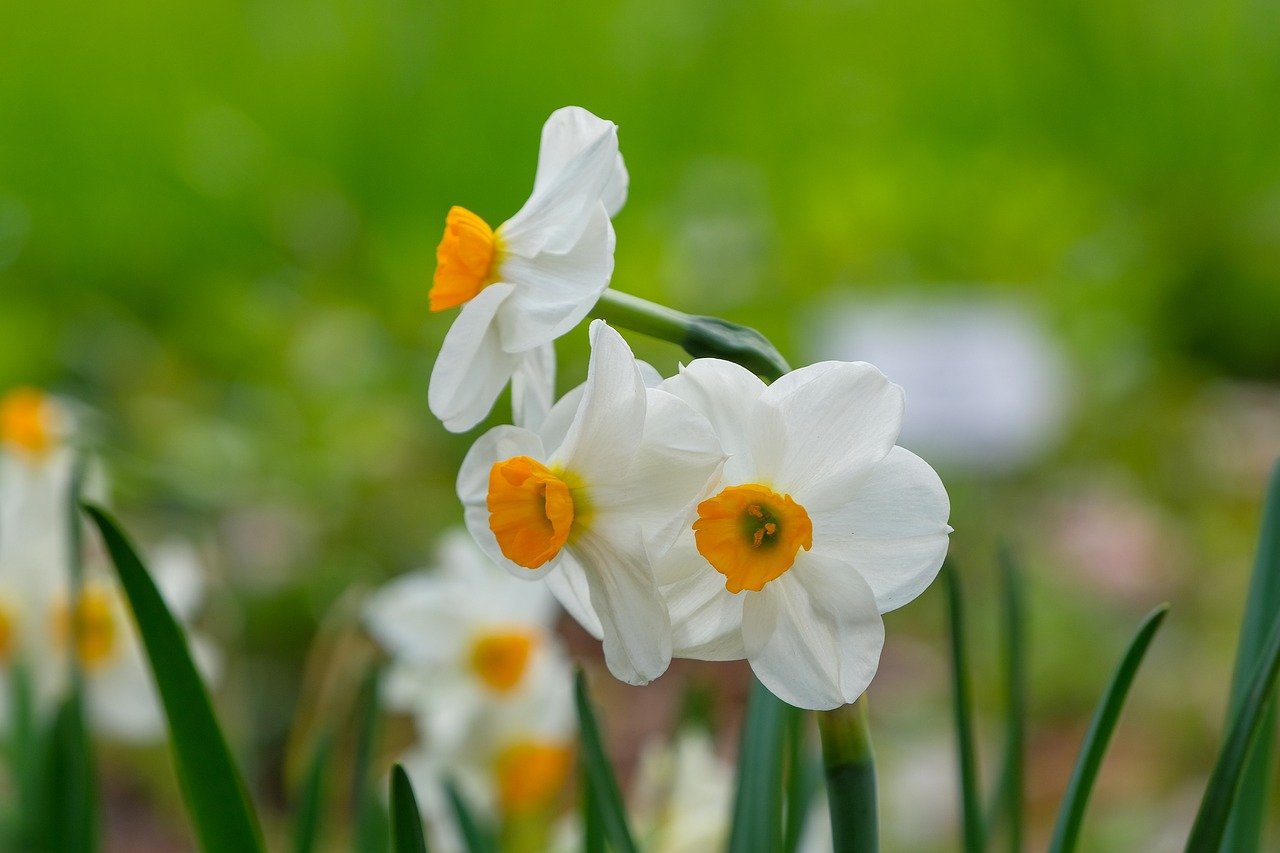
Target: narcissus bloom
point(531, 279)
point(608, 480)
point(463, 636)
point(817, 526)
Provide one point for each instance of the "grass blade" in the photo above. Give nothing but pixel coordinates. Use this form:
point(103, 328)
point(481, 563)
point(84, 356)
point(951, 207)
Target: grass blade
point(851, 778)
point(757, 807)
point(1010, 795)
point(371, 819)
point(406, 819)
point(1244, 829)
point(1224, 783)
point(212, 788)
point(473, 834)
point(311, 801)
point(1066, 831)
point(961, 704)
point(599, 773)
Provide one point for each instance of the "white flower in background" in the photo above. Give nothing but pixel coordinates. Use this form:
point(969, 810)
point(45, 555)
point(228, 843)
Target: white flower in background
point(530, 280)
point(37, 622)
point(462, 637)
point(989, 385)
point(515, 764)
point(611, 477)
point(819, 524)
point(683, 796)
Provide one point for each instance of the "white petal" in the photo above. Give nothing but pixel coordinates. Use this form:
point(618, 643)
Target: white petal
point(533, 386)
point(556, 290)
point(123, 702)
point(813, 636)
point(892, 528)
point(499, 443)
point(569, 586)
point(415, 617)
point(841, 419)
point(176, 569)
point(637, 630)
point(706, 619)
point(472, 367)
point(576, 165)
point(608, 427)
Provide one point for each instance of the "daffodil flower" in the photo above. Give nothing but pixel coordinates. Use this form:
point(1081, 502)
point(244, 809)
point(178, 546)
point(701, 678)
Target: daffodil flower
point(609, 480)
point(531, 279)
point(817, 526)
point(461, 637)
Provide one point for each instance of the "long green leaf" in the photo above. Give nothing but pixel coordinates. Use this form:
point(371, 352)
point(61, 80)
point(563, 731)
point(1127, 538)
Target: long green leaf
point(757, 807)
point(310, 806)
point(370, 834)
point(1010, 790)
point(406, 819)
point(474, 835)
point(961, 706)
point(599, 773)
point(71, 808)
point(802, 776)
point(26, 751)
point(212, 788)
point(1070, 815)
point(851, 778)
point(1224, 783)
point(1262, 608)
point(592, 818)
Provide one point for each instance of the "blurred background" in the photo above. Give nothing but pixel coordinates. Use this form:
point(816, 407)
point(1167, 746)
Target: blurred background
point(1056, 224)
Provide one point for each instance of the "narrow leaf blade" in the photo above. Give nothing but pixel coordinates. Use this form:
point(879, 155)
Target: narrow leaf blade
point(599, 773)
point(1066, 832)
point(406, 819)
point(1010, 790)
point(961, 707)
point(215, 794)
point(757, 807)
point(473, 834)
point(71, 807)
point(311, 800)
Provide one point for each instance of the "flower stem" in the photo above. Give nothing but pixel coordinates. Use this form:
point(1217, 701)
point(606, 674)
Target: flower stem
point(701, 337)
point(851, 777)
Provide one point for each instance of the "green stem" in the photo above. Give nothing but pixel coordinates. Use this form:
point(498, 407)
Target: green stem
point(701, 337)
point(851, 777)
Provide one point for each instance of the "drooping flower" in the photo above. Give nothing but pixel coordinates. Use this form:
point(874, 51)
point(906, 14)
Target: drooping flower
point(817, 525)
point(461, 637)
point(531, 279)
point(608, 480)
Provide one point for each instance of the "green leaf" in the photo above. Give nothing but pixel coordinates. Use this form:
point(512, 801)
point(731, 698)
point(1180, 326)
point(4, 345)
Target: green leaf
point(801, 778)
point(851, 778)
point(212, 788)
point(1224, 783)
point(1262, 606)
point(592, 818)
point(961, 707)
point(371, 818)
point(1070, 815)
point(71, 800)
point(406, 819)
point(599, 773)
point(477, 839)
point(757, 807)
point(26, 750)
point(1009, 792)
point(311, 800)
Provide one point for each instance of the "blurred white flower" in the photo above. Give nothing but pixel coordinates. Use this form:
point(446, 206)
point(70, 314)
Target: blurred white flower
point(610, 477)
point(988, 384)
point(683, 795)
point(461, 637)
point(529, 281)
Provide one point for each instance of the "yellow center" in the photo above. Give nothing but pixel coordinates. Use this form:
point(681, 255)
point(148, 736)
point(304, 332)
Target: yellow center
point(8, 634)
point(464, 259)
point(530, 510)
point(531, 774)
point(751, 535)
point(27, 421)
point(94, 628)
point(499, 658)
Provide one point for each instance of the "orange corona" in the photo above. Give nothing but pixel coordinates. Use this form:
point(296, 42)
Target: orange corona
point(530, 510)
point(464, 259)
point(751, 535)
point(94, 628)
point(28, 421)
point(531, 775)
point(499, 659)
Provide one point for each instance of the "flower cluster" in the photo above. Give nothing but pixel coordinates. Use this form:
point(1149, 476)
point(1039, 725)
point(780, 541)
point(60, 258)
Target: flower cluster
point(45, 627)
point(706, 515)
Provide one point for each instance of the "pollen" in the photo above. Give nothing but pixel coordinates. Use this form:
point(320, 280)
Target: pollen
point(500, 658)
point(530, 510)
point(531, 775)
point(93, 629)
point(28, 421)
point(464, 259)
point(751, 535)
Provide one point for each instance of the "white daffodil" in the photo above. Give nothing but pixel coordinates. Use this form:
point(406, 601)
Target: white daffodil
point(683, 796)
point(610, 478)
point(461, 637)
point(530, 280)
point(818, 525)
